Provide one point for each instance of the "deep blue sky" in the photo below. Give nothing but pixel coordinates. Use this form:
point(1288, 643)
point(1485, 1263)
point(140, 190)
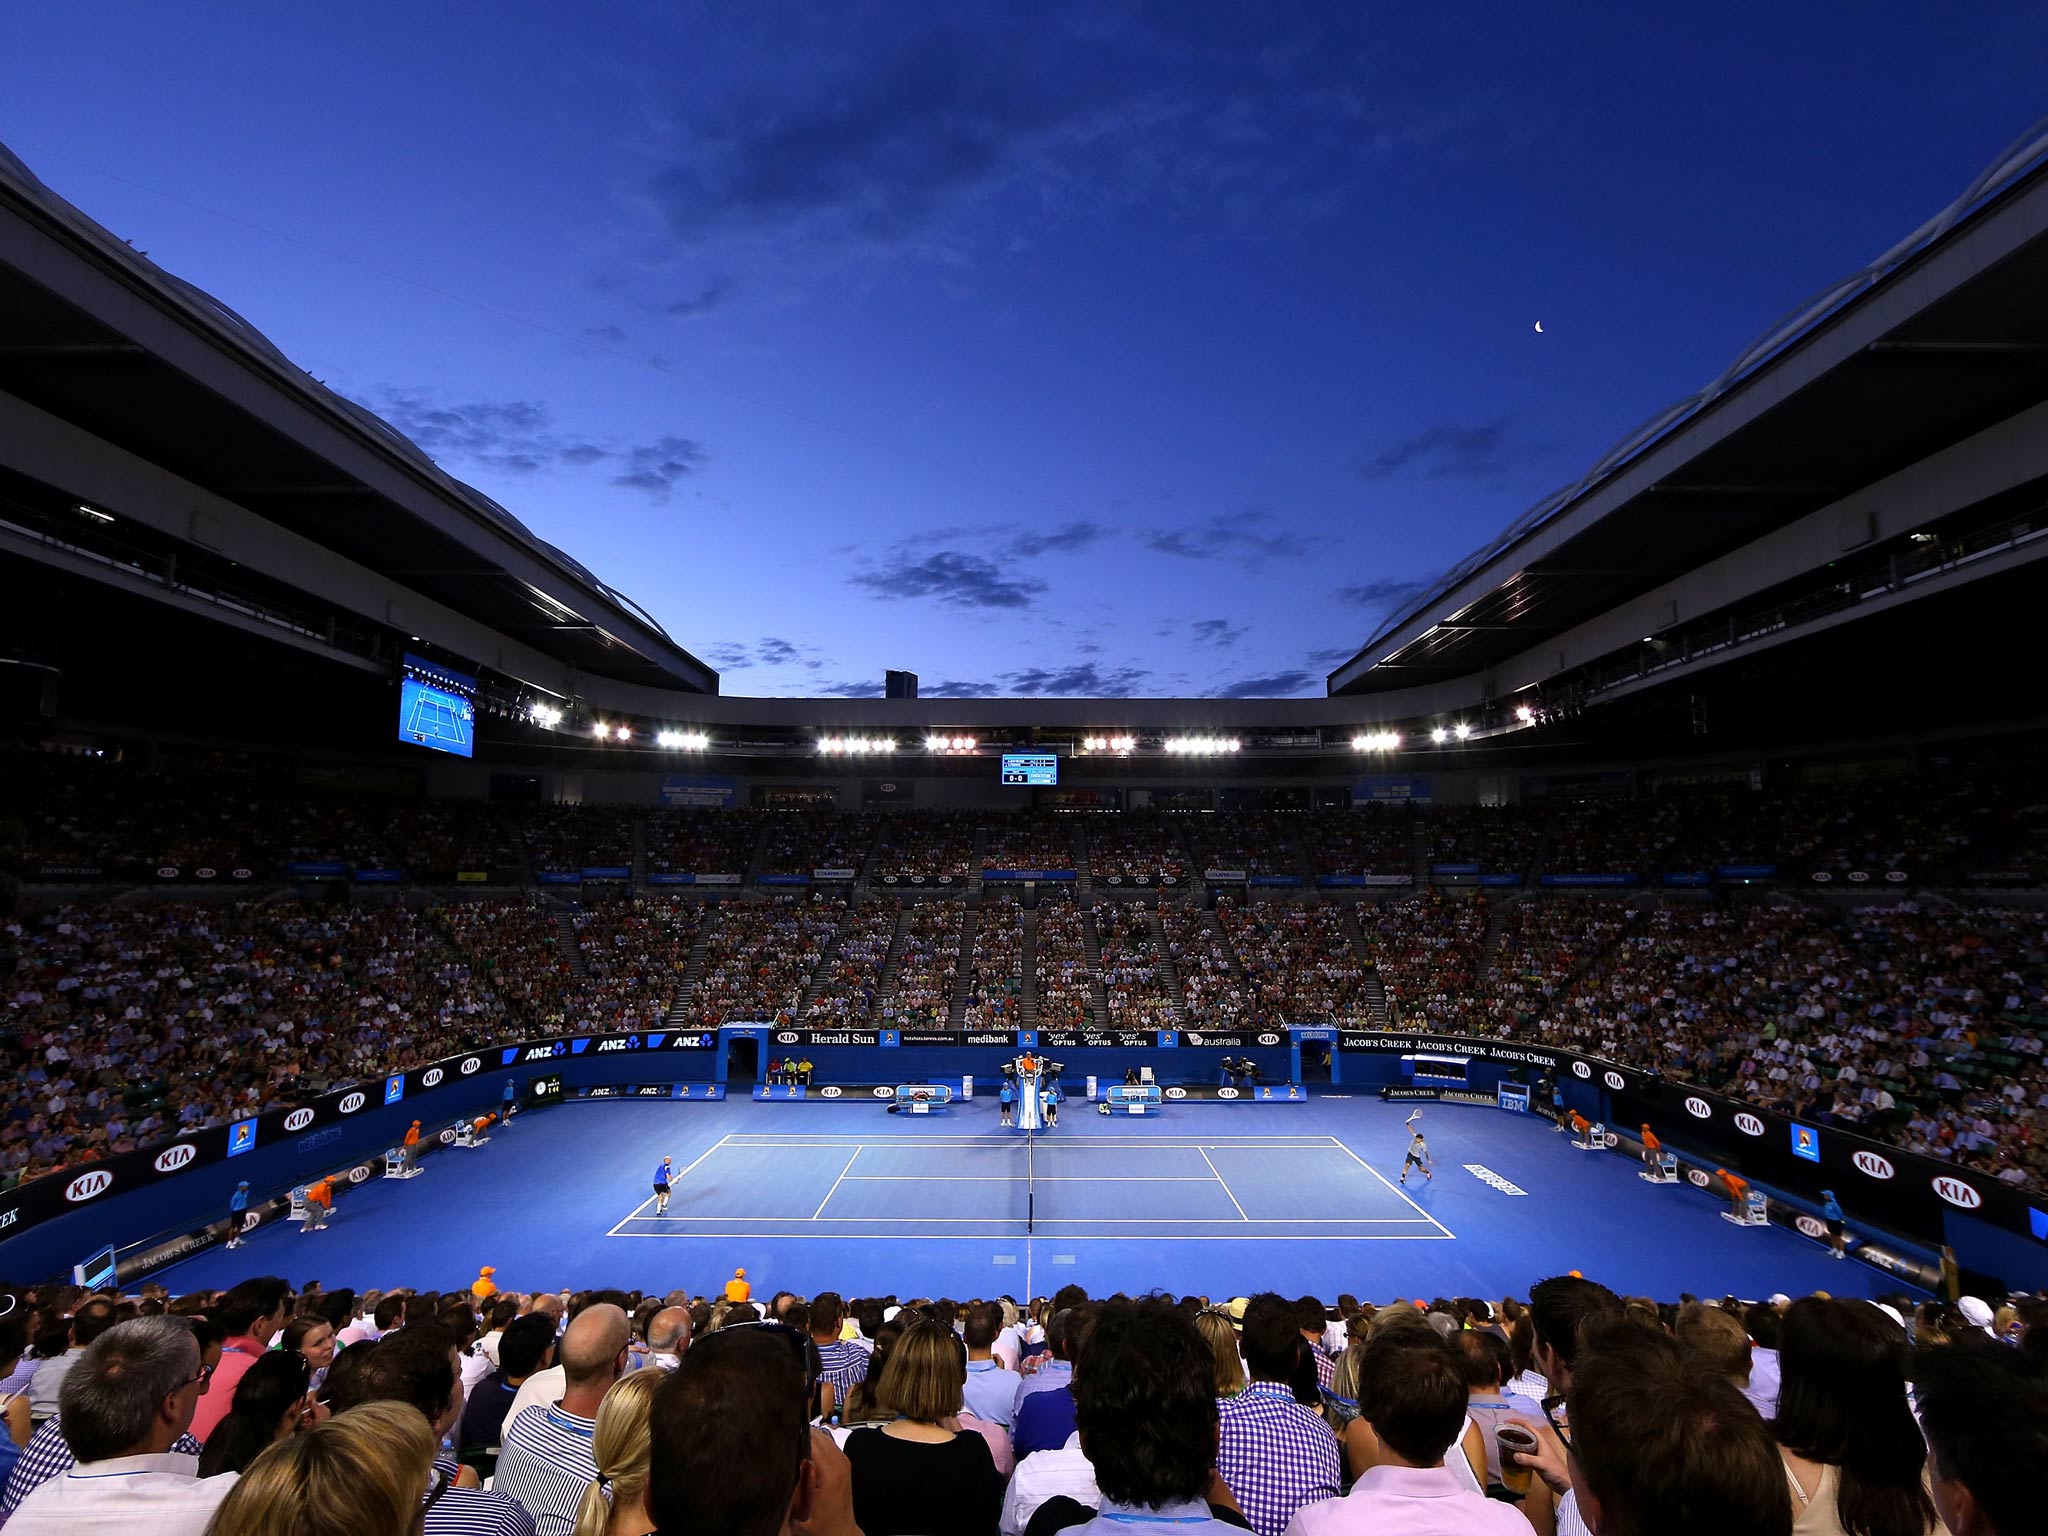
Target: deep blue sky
point(1103, 349)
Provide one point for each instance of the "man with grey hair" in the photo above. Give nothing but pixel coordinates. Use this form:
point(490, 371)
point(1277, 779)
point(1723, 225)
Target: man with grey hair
point(125, 1403)
point(668, 1335)
point(546, 1461)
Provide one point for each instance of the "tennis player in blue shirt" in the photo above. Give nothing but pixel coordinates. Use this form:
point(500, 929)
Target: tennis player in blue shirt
point(661, 1181)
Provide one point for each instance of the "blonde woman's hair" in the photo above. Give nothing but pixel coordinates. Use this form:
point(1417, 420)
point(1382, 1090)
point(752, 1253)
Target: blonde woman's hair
point(1221, 1337)
point(621, 1447)
point(361, 1473)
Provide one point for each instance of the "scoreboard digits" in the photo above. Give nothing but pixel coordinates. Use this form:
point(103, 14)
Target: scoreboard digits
point(1031, 770)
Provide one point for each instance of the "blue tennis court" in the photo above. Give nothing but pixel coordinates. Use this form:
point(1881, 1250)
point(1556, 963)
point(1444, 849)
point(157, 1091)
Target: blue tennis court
point(1214, 1198)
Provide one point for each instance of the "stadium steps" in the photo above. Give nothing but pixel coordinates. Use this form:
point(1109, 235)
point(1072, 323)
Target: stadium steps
point(815, 982)
point(570, 940)
point(1029, 1002)
point(977, 863)
point(1167, 972)
point(1379, 1009)
point(752, 870)
point(637, 860)
point(892, 962)
point(1419, 852)
point(693, 972)
point(1496, 935)
point(1084, 878)
point(1091, 948)
point(963, 977)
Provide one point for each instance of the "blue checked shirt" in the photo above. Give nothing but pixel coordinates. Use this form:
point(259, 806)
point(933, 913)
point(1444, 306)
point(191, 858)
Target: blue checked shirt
point(844, 1365)
point(47, 1456)
point(1275, 1455)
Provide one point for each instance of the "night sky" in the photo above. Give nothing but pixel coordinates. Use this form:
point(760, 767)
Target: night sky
point(1078, 350)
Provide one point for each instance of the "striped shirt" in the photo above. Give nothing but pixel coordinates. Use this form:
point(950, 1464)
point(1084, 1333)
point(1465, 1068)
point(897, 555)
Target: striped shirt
point(546, 1464)
point(475, 1511)
point(844, 1365)
point(46, 1456)
point(1275, 1455)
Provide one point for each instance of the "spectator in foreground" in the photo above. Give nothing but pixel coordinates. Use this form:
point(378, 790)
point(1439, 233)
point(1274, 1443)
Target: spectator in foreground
point(125, 1402)
point(547, 1460)
point(273, 1399)
point(1563, 1311)
point(1044, 1410)
point(619, 1448)
point(842, 1366)
point(1715, 1341)
point(527, 1345)
point(1275, 1455)
point(1146, 1416)
point(1985, 1415)
point(1216, 1329)
point(1851, 1448)
point(312, 1336)
point(1487, 1362)
point(93, 1318)
point(923, 1475)
point(360, 1474)
point(731, 1451)
point(991, 1390)
point(252, 1313)
point(1412, 1392)
point(1661, 1448)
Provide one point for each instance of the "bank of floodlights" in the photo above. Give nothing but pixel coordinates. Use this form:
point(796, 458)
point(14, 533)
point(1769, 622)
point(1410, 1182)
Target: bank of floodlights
point(546, 716)
point(683, 741)
point(1202, 746)
point(1376, 741)
point(1123, 746)
point(941, 743)
point(856, 746)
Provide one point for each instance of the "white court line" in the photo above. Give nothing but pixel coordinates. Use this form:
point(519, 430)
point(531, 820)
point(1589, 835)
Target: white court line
point(1104, 1221)
point(836, 1183)
point(1226, 1186)
point(1053, 1237)
point(1368, 1167)
point(1011, 1178)
point(634, 1214)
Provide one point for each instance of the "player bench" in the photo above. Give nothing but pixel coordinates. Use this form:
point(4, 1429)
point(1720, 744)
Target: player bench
point(921, 1099)
point(1132, 1099)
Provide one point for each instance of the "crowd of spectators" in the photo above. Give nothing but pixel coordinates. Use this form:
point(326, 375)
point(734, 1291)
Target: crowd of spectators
point(1136, 993)
point(264, 1409)
point(1602, 834)
point(927, 843)
point(1255, 842)
point(1138, 848)
point(1544, 943)
point(995, 984)
point(802, 842)
point(1066, 986)
point(760, 957)
point(848, 981)
point(1373, 839)
point(1211, 984)
point(1028, 840)
point(927, 966)
point(576, 837)
point(700, 842)
point(1299, 962)
point(634, 955)
point(1500, 839)
point(1427, 950)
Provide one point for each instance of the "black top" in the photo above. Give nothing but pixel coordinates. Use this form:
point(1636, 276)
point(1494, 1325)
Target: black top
point(912, 1488)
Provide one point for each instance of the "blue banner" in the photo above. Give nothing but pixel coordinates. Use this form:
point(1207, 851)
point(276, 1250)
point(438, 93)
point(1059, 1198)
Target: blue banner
point(1275, 880)
point(671, 879)
point(782, 879)
point(558, 877)
point(1687, 877)
point(1745, 871)
point(317, 871)
point(1385, 787)
point(608, 872)
point(764, 1091)
point(699, 1091)
point(684, 791)
point(1500, 879)
point(379, 876)
point(1600, 879)
point(1027, 874)
point(1454, 869)
point(1330, 880)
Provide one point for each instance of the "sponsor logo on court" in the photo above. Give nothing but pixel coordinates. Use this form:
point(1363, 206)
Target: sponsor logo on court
point(167, 872)
point(1226, 1093)
point(1748, 1124)
point(432, 1078)
point(1615, 1081)
point(171, 1159)
point(1699, 1108)
point(205, 874)
point(1581, 1069)
point(1486, 1175)
point(614, 1045)
point(351, 1104)
point(1176, 1092)
point(1809, 1226)
point(538, 1053)
point(251, 1220)
point(298, 1119)
point(244, 874)
point(1698, 1179)
point(1611, 1140)
point(448, 1137)
point(1873, 1164)
point(829, 1091)
point(470, 1064)
point(885, 1093)
point(1956, 1192)
point(357, 1174)
point(787, 1036)
point(1269, 1039)
point(86, 1185)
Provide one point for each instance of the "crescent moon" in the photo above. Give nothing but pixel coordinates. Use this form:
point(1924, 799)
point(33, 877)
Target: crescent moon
point(1539, 327)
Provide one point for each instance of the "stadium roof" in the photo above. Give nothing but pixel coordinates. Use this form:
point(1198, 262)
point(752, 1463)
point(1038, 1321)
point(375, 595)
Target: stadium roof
point(1942, 336)
point(95, 334)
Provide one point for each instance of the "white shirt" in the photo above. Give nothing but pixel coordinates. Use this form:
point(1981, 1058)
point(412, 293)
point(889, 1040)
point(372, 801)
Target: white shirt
point(543, 1389)
point(1046, 1475)
point(163, 1495)
point(1409, 1501)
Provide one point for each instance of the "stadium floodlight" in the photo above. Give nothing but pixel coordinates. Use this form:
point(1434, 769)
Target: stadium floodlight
point(623, 734)
point(102, 517)
point(692, 741)
point(856, 744)
point(935, 743)
point(1525, 714)
point(1201, 746)
point(1439, 735)
point(1376, 741)
point(600, 730)
point(546, 716)
point(1461, 730)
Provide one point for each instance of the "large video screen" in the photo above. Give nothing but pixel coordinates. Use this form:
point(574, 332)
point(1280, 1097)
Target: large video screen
point(437, 707)
point(1031, 769)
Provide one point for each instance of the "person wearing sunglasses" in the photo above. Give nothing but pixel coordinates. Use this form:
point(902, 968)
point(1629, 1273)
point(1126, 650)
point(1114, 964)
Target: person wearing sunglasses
point(273, 1399)
point(123, 1407)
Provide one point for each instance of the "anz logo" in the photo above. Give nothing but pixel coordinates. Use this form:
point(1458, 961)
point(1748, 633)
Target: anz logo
point(1748, 1124)
point(1581, 1069)
point(1269, 1039)
point(538, 1053)
point(298, 1119)
point(1699, 1108)
point(616, 1045)
point(1956, 1192)
point(1615, 1081)
point(1871, 1163)
point(351, 1104)
point(470, 1064)
point(86, 1185)
point(432, 1078)
point(171, 1159)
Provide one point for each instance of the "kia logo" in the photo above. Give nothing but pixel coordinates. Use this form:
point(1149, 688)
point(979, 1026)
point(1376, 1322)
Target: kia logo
point(251, 1220)
point(245, 874)
point(1895, 875)
point(205, 874)
point(1877, 1166)
point(1698, 1179)
point(1822, 876)
point(1615, 1081)
point(352, 1103)
point(829, 1092)
point(885, 1093)
point(358, 1174)
point(1176, 1093)
point(1699, 1109)
point(470, 1064)
point(448, 1137)
point(787, 1037)
point(1956, 1192)
point(1269, 1039)
point(1809, 1226)
point(1226, 1093)
point(432, 1078)
point(168, 872)
point(298, 1119)
point(1859, 876)
point(171, 1159)
point(1749, 1125)
point(1580, 1069)
point(86, 1185)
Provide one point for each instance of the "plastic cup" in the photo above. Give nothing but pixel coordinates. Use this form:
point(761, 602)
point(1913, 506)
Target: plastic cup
point(1512, 1438)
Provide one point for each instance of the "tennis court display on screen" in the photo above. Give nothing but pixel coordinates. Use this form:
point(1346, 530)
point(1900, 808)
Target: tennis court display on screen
point(96, 1273)
point(1031, 769)
point(436, 707)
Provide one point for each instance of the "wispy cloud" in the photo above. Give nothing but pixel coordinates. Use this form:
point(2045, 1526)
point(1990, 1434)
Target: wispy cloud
point(1216, 632)
point(707, 298)
point(954, 578)
point(1274, 685)
point(769, 651)
point(1067, 539)
point(609, 334)
point(657, 467)
point(1336, 656)
point(954, 688)
point(1385, 592)
point(848, 690)
point(1248, 539)
point(1081, 680)
point(1447, 450)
